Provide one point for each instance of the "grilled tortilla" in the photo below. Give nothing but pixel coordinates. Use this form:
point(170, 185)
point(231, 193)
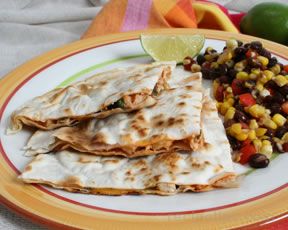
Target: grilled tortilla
point(163, 174)
point(173, 124)
point(114, 91)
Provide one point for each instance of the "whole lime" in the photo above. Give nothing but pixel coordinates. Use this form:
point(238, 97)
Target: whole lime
point(267, 20)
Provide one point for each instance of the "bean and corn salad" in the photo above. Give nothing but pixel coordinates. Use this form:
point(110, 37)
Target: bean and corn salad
point(251, 89)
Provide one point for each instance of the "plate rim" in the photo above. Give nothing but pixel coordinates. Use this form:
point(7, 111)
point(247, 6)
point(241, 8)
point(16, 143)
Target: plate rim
point(39, 63)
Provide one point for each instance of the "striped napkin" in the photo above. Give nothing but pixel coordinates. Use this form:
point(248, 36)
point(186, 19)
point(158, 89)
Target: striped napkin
point(127, 15)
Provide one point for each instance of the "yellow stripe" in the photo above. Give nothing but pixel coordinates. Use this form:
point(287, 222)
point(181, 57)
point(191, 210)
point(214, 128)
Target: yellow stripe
point(224, 21)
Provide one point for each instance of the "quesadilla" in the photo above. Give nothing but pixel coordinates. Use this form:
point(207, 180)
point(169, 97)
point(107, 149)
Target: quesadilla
point(173, 123)
point(114, 91)
point(164, 174)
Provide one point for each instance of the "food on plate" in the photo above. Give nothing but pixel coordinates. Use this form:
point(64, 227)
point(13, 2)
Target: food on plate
point(172, 124)
point(251, 88)
point(267, 20)
point(172, 48)
point(164, 174)
point(113, 91)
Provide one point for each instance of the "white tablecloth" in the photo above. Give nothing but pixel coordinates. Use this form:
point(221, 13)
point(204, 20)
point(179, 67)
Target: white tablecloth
point(31, 27)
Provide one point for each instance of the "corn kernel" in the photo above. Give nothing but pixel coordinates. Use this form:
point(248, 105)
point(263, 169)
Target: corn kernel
point(285, 137)
point(259, 86)
point(263, 78)
point(263, 60)
point(229, 114)
point(280, 80)
point(231, 44)
point(241, 136)
point(229, 90)
point(279, 119)
point(224, 57)
point(252, 76)
point(252, 135)
point(269, 124)
point(253, 124)
point(214, 65)
point(276, 69)
point(269, 74)
point(266, 150)
point(257, 143)
point(242, 75)
point(236, 128)
point(218, 105)
point(264, 137)
point(195, 68)
point(210, 57)
point(239, 66)
point(260, 132)
point(224, 107)
point(256, 110)
point(230, 101)
point(230, 63)
point(215, 86)
point(229, 95)
point(256, 71)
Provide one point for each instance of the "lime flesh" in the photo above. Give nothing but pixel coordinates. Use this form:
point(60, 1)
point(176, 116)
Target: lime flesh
point(172, 47)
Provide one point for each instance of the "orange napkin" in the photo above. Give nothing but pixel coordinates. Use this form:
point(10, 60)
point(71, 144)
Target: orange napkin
point(126, 15)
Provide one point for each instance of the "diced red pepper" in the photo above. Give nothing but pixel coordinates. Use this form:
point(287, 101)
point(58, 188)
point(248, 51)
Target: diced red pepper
point(285, 68)
point(219, 94)
point(237, 86)
point(246, 151)
point(247, 99)
point(250, 53)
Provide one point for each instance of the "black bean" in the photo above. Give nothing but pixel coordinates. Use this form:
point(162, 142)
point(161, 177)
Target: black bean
point(240, 51)
point(240, 116)
point(284, 90)
point(267, 100)
point(239, 107)
point(229, 122)
point(272, 61)
point(270, 133)
point(280, 131)
point(278, 97)
point(258, 160)
point(235, 144)
point(224, 79)
point(223, 69)
point(200, 59)
point(271, 85)
point(256, 45)
point(253, 63)
point(232, 73)
point(247, 45)
point(275, 108)
point(265, 53)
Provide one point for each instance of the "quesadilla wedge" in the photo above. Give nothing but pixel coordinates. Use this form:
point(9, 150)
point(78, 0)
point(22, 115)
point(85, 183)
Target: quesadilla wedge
point(164, 174)
point(114, 91)
point(173, 123)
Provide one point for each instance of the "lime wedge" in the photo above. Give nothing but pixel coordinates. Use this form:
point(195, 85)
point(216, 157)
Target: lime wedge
point(172, 47)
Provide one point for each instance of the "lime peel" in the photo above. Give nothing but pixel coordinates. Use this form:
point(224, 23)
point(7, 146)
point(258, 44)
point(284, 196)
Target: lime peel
point(172, 47)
